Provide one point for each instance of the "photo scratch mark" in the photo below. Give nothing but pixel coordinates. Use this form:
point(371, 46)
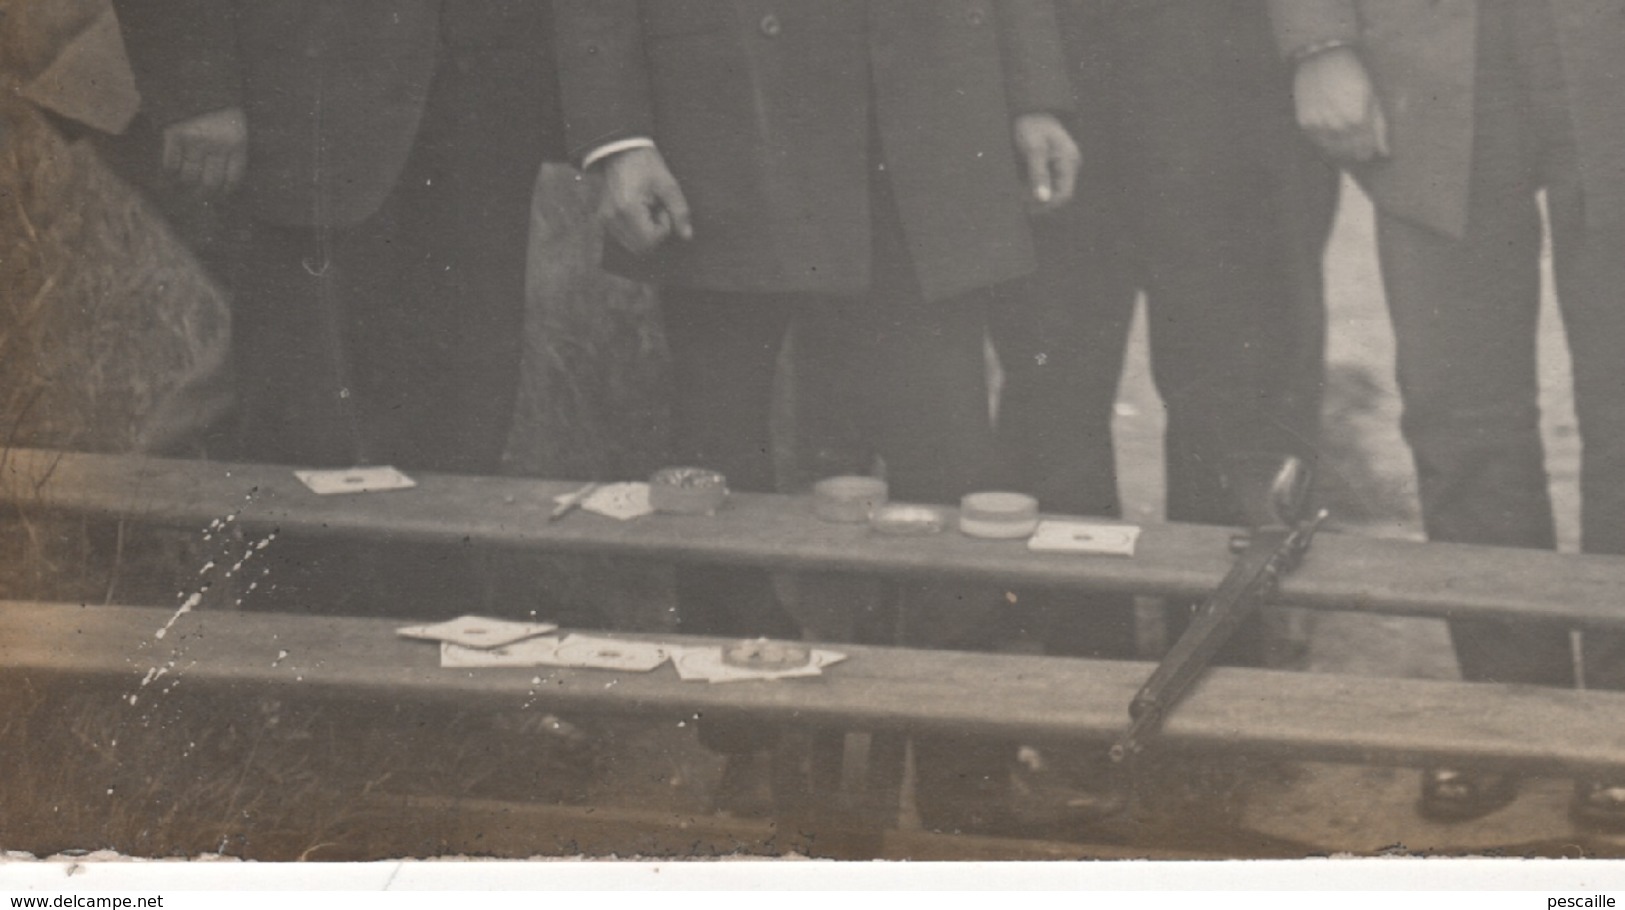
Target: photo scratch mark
point(229, 539)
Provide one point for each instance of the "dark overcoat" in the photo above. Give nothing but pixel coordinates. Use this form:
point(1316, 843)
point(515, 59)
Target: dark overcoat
point(763, 110)
point(1422, 57)
point(334, 90)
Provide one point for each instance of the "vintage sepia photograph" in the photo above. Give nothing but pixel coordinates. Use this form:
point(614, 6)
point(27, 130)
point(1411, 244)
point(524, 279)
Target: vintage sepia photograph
point(926, 430)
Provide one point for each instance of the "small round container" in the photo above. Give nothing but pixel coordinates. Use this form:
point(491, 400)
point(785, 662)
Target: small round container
point(764, 655)
point(848, 499)
point(908, 520)
point(998, 515)
point(687, 491)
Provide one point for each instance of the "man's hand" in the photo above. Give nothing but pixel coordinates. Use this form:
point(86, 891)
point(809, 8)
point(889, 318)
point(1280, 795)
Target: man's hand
point(642, 203)
point(208, 152)
point(1338, 107)
point(1050, 158)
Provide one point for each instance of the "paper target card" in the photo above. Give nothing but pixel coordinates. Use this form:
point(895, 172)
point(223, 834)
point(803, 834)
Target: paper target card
point(478, 631)
point(375, 479)
point(588, 652)
point(1053, 536)
point(532, 652)
point(708, 665)
point(619, 500)
point(579, 652)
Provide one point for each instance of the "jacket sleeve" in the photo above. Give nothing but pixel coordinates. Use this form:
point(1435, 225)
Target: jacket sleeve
point(183, 54)
point(603, 75)
point(1304, 24)
point(1035, 70)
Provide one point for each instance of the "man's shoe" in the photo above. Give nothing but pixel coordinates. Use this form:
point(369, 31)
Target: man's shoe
point(1599, 806)
point(1453, 795)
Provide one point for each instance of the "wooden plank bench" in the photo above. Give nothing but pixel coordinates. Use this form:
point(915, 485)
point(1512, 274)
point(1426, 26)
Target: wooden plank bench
point(1341, 572)
point(1232, 711)
point(1025, 698)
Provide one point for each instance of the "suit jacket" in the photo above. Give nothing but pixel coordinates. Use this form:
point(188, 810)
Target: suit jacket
point(763, 109)
point(334, 90)
point(1422, 57)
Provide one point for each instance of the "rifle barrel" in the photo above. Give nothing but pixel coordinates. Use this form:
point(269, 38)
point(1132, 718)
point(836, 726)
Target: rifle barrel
point(1252, 580)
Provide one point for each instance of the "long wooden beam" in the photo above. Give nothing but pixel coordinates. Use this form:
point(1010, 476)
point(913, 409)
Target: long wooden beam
point(1342, 571)
point(1299, 716)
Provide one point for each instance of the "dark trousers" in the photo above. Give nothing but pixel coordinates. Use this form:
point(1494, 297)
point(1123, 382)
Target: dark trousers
point(1465, 313)
point(398, 340)
point(1197, 191)
point(884, 377)
point(902, 378)
point(890, 376)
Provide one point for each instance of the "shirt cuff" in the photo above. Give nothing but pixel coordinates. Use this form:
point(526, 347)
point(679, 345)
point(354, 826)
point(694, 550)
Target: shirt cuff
point(613, 148)
point(1317, 48)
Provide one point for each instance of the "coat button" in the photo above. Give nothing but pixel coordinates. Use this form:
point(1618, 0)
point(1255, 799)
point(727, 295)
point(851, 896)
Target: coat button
point(771, 26)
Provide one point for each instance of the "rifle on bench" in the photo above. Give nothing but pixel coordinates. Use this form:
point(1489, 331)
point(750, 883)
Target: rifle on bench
point(1273, 548)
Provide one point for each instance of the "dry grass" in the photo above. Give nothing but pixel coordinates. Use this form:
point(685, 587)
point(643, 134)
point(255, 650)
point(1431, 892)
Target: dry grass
point(262, 778)
point(103, 313)
point(592, 405)
point(112, 337)
point(1352, 485)
point(591, 401)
